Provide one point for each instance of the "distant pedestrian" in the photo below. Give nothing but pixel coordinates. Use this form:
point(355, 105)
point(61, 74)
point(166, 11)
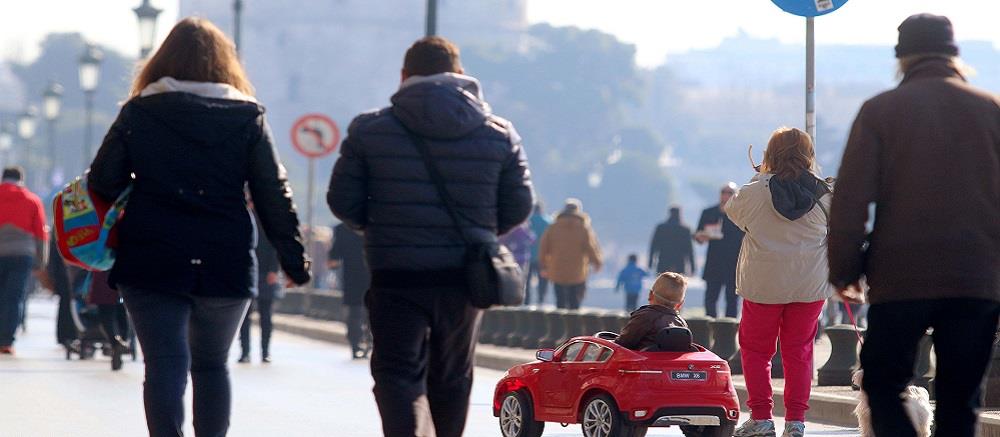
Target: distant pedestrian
point(188, 140)
point(630, 280)
point(23, 247)
point(724, 239)
point(520, 241)
point(568, 251)
point(268, 291)
point(671, 249)
point(439, 132)
point(927, 154)
point(539, 223)
point(781, 276)
point(347, 255)
point(63, 280)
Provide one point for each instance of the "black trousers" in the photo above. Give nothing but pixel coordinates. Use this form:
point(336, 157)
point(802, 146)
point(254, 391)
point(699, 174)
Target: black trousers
point(66, 330)
point(356, 315)
point(534, 271)
point(964, 331)
point(265, 308)
point(713, 288)
point(569, 296)
point(422, 358)
point(179, 333)
point(631, 301)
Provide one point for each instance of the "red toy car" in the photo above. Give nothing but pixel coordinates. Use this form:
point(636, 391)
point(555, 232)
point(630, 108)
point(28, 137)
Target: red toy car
point(617, 392)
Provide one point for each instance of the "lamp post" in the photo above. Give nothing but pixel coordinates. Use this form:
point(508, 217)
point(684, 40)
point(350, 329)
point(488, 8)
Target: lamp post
point(237, 23)
point(90, 74)
point(146, 14)
point(6, 141)
point(26, 131)
point(431, 24)
point(51, 105)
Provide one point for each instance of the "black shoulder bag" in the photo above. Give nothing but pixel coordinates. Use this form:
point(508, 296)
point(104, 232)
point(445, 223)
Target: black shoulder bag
point(492, 275)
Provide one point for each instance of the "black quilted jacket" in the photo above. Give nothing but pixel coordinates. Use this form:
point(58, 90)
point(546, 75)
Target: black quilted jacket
point(380, 185)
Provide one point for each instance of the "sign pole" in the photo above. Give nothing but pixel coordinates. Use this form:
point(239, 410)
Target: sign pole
point(811, 77)
point(313, 135)
point(309, 204)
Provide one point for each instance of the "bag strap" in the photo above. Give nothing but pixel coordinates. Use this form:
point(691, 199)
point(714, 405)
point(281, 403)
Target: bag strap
point(438, 180)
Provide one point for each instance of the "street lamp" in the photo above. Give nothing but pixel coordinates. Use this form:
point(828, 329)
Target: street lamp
point(146, 13)
point(90, 73)
point(6, 141)
point(431, 18)
point(26, 131)
point(26, 123)
point(51, 104)
point(237, 23)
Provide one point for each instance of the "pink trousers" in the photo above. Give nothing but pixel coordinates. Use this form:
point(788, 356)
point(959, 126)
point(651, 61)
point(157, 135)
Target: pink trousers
point(761, 326)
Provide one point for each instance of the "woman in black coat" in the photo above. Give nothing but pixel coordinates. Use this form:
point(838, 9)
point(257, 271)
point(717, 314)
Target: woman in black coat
point(189, 141)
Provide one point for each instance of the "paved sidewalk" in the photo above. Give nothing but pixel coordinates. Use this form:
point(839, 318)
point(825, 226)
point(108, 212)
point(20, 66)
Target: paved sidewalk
point(313, 389)
point(830, 405)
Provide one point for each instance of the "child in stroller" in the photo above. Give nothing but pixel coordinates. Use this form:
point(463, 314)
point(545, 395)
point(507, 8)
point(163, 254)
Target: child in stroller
point(102, 322)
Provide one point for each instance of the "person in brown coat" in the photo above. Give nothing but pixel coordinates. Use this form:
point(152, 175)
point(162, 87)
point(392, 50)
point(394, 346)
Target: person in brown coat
point(927, 154)
point(568, 250)
point(665, 300)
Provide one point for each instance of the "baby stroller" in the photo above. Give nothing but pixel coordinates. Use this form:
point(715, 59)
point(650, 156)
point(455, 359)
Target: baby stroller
point(102, 323)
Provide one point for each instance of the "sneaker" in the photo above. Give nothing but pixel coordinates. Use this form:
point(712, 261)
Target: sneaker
point(6, 350)
point(244, 358)
point(794, 429)
point(756, 428)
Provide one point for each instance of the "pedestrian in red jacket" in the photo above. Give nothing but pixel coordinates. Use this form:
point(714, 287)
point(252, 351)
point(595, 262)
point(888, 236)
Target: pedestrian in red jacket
point(22, 250)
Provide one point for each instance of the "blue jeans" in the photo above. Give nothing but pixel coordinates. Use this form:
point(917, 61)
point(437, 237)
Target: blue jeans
point(14, 274)
point(180, 332)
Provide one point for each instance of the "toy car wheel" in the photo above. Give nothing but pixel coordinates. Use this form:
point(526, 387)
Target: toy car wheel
point(601, 418)
point(517, 417)
point(725, 430)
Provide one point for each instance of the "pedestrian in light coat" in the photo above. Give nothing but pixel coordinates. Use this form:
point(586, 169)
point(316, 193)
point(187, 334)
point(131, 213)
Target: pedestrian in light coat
point(568, 252)
point(781, 276)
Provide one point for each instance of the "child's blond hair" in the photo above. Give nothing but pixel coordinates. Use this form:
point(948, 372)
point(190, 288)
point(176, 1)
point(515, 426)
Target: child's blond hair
point(669, 289)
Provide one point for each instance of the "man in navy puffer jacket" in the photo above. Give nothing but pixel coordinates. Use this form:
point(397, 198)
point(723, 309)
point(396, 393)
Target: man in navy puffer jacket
point(422, 324)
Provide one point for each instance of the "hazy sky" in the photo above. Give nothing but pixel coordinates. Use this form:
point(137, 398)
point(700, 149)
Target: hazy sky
point(657, 27)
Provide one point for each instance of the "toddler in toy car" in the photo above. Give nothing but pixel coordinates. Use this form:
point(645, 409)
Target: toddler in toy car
point(665, 300)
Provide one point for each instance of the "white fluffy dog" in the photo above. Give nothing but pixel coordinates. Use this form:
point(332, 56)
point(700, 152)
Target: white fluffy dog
point(916, 402)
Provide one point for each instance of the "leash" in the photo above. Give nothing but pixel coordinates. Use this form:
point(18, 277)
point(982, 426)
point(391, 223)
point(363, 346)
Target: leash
point(857, 331)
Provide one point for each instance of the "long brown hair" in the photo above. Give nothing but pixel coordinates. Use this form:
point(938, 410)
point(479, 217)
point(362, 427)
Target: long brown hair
point(789, 153)
point(195, 50)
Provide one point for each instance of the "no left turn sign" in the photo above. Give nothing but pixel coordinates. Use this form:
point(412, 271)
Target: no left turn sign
point(315, 135)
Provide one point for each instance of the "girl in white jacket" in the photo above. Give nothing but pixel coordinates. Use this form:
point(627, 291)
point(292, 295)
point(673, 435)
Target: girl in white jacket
point(781, 275)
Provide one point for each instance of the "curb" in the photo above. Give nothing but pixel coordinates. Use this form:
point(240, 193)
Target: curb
point(827, 408)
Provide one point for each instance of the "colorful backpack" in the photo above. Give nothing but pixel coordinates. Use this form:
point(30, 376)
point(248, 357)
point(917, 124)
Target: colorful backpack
point(84, 225)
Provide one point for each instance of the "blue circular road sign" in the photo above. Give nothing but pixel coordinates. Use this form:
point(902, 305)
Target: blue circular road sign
point(809, 8)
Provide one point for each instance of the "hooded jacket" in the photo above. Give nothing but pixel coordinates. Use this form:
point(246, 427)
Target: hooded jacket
point(927, 154)
point(645, 323)
point(783, 254)
point(381, 187)
point(569, 247)
point(188, 153)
